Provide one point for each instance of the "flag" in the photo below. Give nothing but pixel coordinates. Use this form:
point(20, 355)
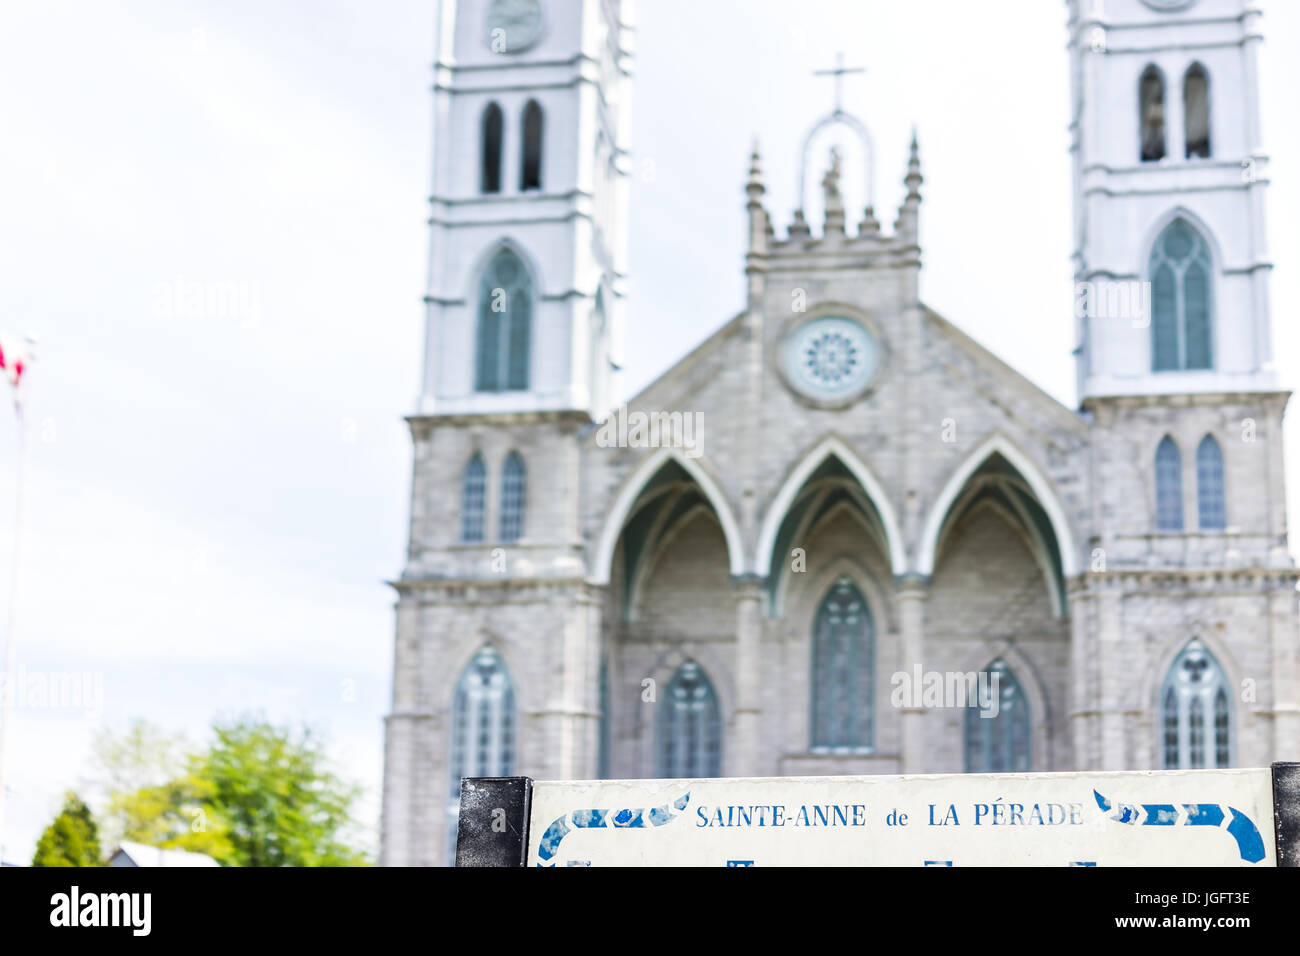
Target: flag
point(13, 360)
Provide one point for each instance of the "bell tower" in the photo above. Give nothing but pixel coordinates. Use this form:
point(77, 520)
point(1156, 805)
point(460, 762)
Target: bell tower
point(1170, 252)
point(528, 225)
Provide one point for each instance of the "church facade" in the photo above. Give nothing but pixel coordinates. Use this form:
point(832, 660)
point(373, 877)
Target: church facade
point(839, 537)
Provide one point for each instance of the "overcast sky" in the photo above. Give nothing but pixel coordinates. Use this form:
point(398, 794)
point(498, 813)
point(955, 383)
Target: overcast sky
point(219, 489)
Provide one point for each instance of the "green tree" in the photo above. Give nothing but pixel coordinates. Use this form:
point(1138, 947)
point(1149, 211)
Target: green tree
point(72, 839)
point(135, 770)
point(177, 814)
point(274, 791)
point(258, 795)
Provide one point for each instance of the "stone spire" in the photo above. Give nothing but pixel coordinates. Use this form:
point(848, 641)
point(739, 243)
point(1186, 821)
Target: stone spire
point(909, 213)
point(759, 227)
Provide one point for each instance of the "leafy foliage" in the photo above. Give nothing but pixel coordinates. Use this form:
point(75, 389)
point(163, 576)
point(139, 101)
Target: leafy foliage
point(72, 839)
point(258, 795)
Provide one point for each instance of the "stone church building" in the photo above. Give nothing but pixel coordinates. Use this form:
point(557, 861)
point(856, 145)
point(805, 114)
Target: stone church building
point(742, 571)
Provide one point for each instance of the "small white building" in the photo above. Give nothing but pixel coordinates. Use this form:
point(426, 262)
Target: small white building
point(140, 854)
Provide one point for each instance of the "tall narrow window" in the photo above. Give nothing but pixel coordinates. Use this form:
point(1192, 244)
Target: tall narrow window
point(1169, 486)
point(531, 168)
point(1197, 718)
point(472, 494)
point(1170, 722)
point(599, 366)
point(606, 722)
point(1222, 755)
point(843, 647)
point(997, 725)
point(1196, 111)
point(505, 315)
point(1151, 109)
point(690, 726)
point(482, 728)
point(512, 498)
point(1180, 300)
point(1210, 504)
point(493, 128)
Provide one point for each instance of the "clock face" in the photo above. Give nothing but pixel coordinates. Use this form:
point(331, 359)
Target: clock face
point(513, 25)
point(831, 359)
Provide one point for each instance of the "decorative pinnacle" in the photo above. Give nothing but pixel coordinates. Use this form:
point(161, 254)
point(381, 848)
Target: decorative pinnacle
point(914, 178)
point(755, 187)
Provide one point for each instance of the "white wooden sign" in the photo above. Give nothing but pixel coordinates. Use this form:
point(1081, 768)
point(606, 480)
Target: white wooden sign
point(1171, 818)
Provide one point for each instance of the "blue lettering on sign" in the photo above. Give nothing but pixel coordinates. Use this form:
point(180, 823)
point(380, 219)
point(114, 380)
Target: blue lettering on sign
point(782, 816)
point(996, 813)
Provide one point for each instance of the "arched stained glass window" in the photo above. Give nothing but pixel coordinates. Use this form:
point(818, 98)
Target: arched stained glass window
point(843, 646)
point(1181, 318)
point(1169, 486)
point(482, 728)
point(473, 490)
point(1151, 111)
point(690, 726)
point(493, 124)
point(1196, 111)
point(513, 486)
point(1210, 502)
point(1197, 718)
point(998, 739)
point(531, 167)
point(505, 315)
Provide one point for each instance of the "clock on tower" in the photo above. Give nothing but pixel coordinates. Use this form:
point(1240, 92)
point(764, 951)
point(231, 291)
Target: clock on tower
point(513, 25)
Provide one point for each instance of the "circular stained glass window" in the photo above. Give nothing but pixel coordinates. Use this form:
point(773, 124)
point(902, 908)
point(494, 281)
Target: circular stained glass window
point(831, 359)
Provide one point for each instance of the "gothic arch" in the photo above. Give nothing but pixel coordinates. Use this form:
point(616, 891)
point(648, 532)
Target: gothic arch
point(1162, 222)
point(671, 660)
point(620, 508)
point(799, 623)
point(844, 565)
point(663, 542)
point(1042, 727)
point(1154, 247)
point(1039, 484)
point(1198, 112)
point(484, 258)
point(832, 446)
point(803, 611)
point(1153, 122)
point(662, 672)
point(463, 653)
point(532, 141)
point(848, 120)
point(1022, 526)
point(1169, 650)
point(1154, 681)
point(491, 148)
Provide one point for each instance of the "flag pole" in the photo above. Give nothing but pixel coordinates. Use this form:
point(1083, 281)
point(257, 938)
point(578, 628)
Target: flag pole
point(9, 689)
